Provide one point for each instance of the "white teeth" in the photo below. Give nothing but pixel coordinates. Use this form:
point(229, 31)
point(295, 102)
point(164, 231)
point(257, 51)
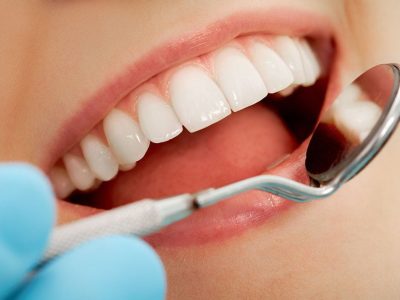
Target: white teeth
point(238, 79)
point(276, 74)
point(289, 51)
point(197, 99)
point(99, 157)
point(63, 186)
point(157, 119)
point(79, 172)
point(125, 138)
point(356, 119)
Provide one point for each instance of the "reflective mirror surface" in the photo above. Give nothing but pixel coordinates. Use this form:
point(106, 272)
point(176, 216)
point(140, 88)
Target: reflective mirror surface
point(356, 123)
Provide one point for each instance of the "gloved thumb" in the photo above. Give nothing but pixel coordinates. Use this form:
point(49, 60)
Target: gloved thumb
point(26, 219)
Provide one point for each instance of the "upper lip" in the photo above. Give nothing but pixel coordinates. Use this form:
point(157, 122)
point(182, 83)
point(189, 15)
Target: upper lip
point(95, 107)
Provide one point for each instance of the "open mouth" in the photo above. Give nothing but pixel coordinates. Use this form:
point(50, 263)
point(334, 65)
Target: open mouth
point(243, 109)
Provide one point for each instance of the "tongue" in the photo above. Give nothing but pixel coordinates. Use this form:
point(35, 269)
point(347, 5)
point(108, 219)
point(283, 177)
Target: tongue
point(242, 145)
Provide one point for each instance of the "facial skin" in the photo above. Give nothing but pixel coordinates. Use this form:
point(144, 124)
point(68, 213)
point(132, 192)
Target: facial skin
point(53, 54)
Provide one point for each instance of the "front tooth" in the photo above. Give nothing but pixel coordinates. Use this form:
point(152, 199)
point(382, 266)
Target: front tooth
point(288, 50)
point(99, 157)
point(276, 74)
point(356, 119)
point(157, 119)
point(79, 172)
point(197, 99)
point(238, 79)
point(125, 138)
point(63, 186)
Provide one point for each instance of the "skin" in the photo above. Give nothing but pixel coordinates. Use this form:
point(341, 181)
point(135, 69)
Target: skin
point(53, 54)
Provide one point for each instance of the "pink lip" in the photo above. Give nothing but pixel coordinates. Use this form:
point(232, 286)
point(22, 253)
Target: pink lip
point(94, 108)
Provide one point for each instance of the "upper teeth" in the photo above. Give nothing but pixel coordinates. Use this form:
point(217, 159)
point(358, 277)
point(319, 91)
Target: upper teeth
point(274, 71)
point(196, 98)
point(125, 138)
point(157, 118)
point(196, 94)
point(242, 88)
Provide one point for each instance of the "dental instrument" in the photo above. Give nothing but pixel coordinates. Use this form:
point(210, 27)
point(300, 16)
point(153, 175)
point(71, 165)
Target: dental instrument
point(338, 150)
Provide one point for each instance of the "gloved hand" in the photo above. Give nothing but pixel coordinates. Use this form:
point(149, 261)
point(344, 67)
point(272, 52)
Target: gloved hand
point(108, 268)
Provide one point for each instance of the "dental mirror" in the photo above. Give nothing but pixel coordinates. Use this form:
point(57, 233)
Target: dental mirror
point(355, 127)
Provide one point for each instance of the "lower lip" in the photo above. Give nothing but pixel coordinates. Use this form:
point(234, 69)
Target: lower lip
point(233, 216)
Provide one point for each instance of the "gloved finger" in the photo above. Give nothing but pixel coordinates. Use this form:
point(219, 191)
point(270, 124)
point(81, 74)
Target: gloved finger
point(114, 267)
point(26, 218)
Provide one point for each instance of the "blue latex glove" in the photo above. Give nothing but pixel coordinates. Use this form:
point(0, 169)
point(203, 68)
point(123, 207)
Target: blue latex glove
point(109, 268)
